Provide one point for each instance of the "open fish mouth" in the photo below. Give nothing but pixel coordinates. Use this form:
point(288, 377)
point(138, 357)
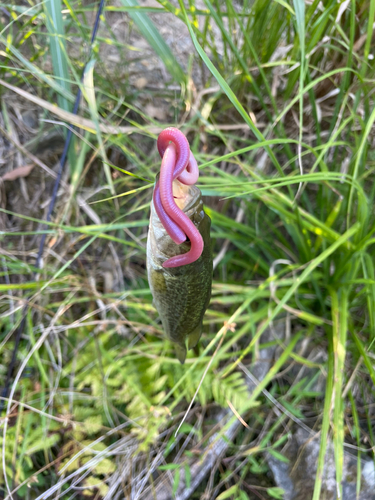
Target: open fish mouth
point(185, 196)
point(189, 200)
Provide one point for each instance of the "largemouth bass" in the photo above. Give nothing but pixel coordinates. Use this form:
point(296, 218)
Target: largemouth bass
point(181, 294)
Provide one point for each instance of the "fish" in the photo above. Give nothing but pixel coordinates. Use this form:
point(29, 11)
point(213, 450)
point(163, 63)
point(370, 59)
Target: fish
point(181, 294)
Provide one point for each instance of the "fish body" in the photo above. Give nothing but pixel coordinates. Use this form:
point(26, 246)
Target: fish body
point(181, 294)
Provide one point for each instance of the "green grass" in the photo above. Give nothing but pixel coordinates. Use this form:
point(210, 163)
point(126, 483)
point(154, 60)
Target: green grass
point(277, 102)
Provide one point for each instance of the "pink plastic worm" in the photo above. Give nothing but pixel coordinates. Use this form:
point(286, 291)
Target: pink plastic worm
point(177, 163)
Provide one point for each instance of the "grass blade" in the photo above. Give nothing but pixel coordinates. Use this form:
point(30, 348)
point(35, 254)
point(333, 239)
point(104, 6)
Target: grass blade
point(89, 94)
point(325, 423)
point(339, 318)
point(59, 56)
point(299, 7)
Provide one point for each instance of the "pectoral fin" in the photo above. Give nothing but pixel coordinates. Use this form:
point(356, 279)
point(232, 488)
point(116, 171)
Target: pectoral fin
point(194, 337)
point(180, 350)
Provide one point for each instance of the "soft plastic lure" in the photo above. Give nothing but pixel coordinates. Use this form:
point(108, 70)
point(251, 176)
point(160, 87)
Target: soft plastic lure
point(179, 257)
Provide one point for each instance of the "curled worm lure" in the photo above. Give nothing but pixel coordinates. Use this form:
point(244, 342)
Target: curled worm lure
point(179, 257)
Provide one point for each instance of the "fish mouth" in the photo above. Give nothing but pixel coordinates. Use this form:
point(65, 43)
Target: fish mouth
point(161, 247)
point(185, 196)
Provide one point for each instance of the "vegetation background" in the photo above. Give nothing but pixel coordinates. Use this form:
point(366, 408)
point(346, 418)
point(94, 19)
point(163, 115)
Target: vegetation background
point(277, 100)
